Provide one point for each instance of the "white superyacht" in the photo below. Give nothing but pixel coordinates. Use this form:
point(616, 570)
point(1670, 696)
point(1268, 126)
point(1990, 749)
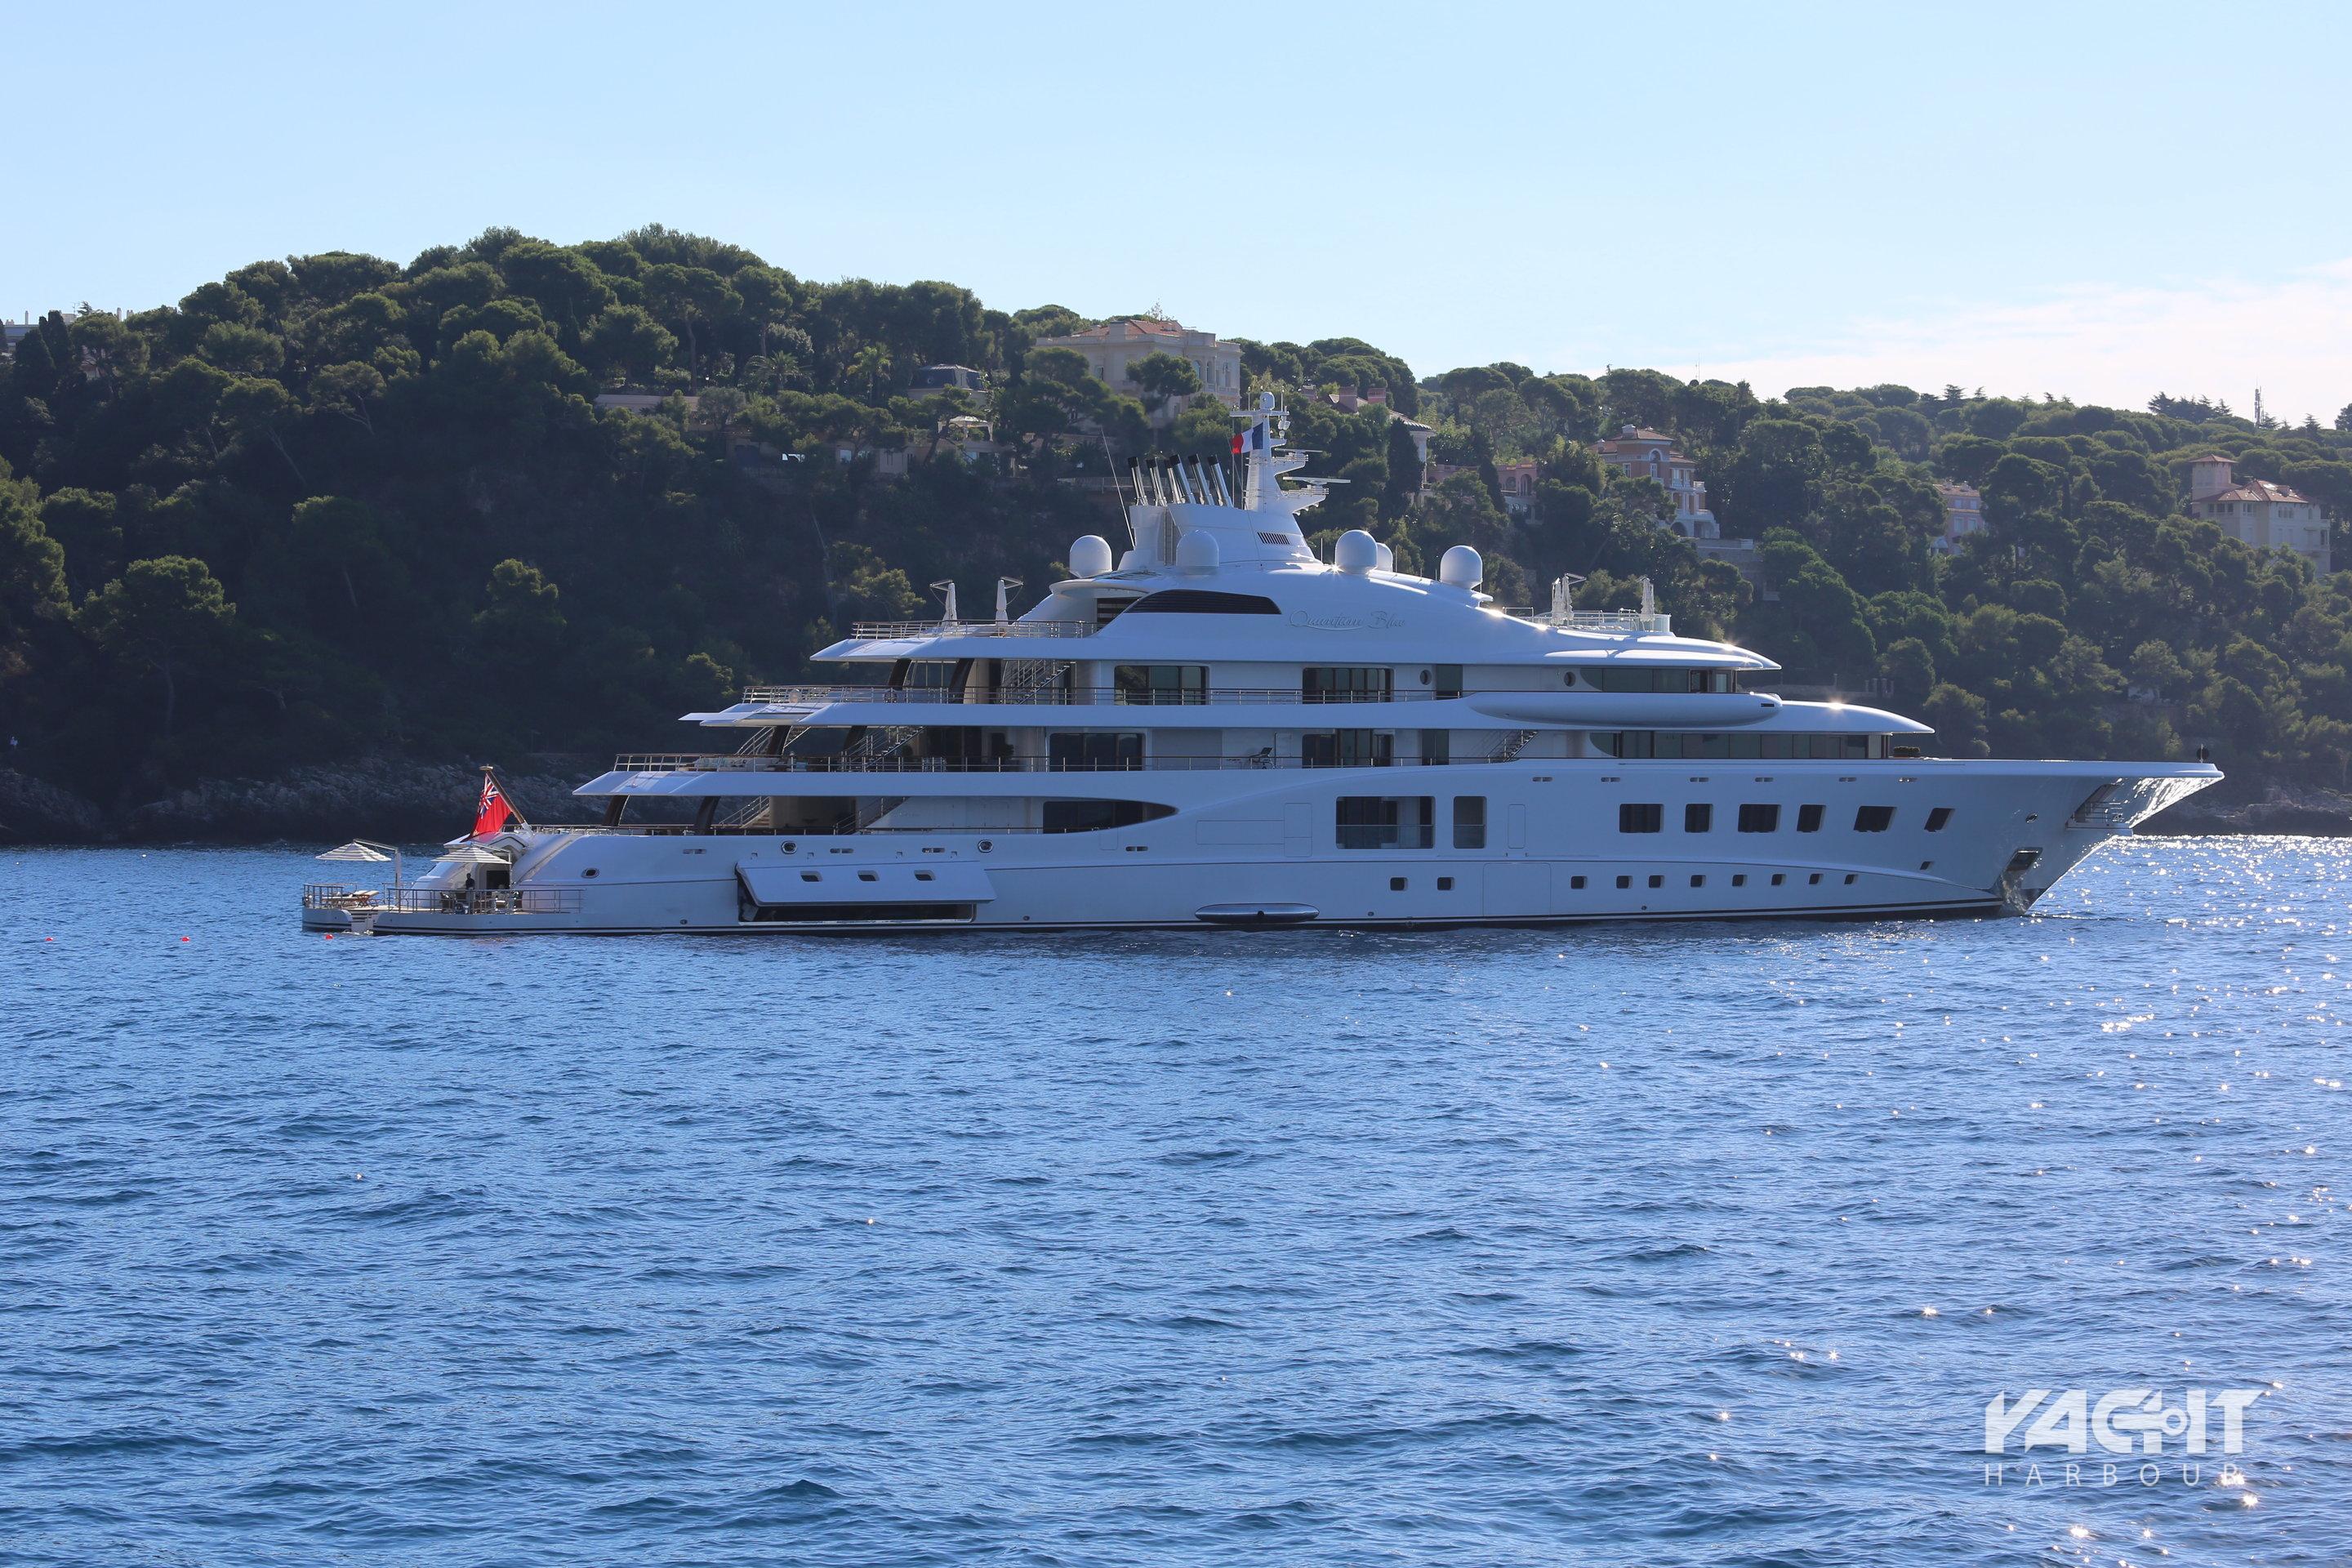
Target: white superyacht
point(1221, 729)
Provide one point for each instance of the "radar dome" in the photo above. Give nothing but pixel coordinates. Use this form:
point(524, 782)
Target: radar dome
point(1090, 556)
point(1356, 552)
point(1197, 552)
point(1388, 560)
point(1460, 567)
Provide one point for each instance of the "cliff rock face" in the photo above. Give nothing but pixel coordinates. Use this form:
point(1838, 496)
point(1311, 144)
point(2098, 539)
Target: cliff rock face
point(32, 812)
point(2313, 812)
point(400, 802)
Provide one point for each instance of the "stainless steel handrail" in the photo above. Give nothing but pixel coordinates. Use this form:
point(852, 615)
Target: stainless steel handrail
point(730, 762)
point(1110, 696)
point(893, 630)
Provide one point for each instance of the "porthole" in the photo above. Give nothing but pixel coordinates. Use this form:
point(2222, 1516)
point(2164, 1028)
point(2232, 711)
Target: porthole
point(590, 872)
point(1425, 677)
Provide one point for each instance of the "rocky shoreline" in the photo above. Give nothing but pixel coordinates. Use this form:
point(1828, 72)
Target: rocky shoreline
point(384, 798)
point(411, 802)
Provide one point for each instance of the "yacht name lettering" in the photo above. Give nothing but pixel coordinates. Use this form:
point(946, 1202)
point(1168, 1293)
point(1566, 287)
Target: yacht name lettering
point(1376, 621)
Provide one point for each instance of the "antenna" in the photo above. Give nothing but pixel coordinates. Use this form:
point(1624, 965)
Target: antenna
point(947, 586)
point(1111, 463)
point(1005, 586)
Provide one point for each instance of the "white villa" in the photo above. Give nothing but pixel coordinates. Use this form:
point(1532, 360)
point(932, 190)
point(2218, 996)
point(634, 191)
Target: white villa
point(1111, 347)
point(2262, 514)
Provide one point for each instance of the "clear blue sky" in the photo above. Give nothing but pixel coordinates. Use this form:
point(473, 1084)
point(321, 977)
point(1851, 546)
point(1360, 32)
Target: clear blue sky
point(2096, 200)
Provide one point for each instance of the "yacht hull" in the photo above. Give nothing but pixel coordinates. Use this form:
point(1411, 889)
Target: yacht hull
point(1259, 849)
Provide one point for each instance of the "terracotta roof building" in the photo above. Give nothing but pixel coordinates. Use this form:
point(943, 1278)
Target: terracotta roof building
point(2265, 515)
point(1111, 347)
point(1642, 454)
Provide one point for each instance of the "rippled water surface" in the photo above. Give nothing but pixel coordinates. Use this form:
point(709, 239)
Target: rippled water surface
point(1681, 1244)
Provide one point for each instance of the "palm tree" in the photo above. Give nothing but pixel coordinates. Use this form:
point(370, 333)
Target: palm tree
point(873, 364)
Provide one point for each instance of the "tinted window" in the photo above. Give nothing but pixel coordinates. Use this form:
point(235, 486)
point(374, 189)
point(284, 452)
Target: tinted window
point(1760, 819)
point(1202, 602)
point(1089, 815)
point(1697, 818)
point(1093, 749)
point(1159, 683)
point(1640, 818)
point(1873, 819)
point(1383, 822)
point(1938, 817)
point(1469, 822)
point(1347, 749)
point(1808, 819)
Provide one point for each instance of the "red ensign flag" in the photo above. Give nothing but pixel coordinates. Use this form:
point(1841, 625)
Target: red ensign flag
point(493, 813)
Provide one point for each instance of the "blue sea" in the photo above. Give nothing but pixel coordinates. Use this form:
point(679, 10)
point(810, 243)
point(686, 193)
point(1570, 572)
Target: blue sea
point(1700, 1245)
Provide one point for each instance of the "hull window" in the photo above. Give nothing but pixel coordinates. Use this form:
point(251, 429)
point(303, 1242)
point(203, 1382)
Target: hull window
point(1385, 822)
point(1873, 819)
point(1938, 817)
point(1808, 819)
point(1469, 822)
point(1698, 818)
point(1760, 819)
point(1633, 819)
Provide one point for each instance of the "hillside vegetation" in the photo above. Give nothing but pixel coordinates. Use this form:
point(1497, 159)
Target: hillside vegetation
point(336, 506)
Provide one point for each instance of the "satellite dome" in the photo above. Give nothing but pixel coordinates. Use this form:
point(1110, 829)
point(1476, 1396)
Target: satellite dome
point(1197, 552)
point(1356, 551)
point(1387, 562)
point(1460, 567)
point(1090, 556)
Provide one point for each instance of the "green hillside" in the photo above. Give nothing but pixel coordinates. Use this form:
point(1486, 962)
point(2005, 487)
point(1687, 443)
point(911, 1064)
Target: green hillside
point(337, 506)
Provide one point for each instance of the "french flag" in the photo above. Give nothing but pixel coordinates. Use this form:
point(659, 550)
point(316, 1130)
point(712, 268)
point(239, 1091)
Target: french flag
point(1250, 441)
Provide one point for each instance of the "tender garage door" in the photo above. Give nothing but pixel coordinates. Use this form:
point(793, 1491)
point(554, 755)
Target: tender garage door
point(772, 892)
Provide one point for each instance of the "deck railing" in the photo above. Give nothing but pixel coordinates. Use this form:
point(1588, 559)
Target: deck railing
point(892, 630)
point(442, 900)
point(1111, 696)
point(733, 763)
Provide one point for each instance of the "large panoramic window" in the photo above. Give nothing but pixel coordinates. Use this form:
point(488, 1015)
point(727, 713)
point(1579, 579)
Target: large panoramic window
point(1092, 816)
point(1347, 749)
point(1090, 750)
point(1657, 678)
point(1345, 683)
point(1160, 684)
point(1385, 821)
point(1202, 602)
point(1696, 746)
